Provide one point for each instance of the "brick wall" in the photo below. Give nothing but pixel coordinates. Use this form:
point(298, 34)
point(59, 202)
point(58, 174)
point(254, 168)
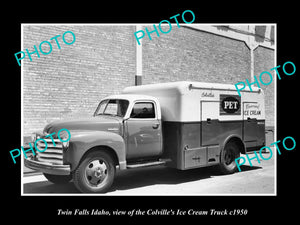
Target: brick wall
point(69, 82)
point(187, 54)
point(263, 61)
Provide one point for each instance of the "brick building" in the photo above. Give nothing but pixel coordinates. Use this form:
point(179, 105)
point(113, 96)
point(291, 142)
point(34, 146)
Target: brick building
point(69, 82)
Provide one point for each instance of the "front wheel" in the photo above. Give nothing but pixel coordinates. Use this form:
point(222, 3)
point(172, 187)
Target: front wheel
point(227, 158)
point(95, 174)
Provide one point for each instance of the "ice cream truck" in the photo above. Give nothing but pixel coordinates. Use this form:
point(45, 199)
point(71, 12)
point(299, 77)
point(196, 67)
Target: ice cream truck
point(184, 125)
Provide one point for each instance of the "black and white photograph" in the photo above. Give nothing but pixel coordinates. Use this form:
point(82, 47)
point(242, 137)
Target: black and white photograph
point(157, 115)
point(148, 109)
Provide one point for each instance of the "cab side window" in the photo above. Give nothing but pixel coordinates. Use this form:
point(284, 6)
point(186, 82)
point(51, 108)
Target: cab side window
point(143, 110)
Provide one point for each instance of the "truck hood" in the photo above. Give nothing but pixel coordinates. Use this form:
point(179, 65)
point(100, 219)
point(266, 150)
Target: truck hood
point(98, 123)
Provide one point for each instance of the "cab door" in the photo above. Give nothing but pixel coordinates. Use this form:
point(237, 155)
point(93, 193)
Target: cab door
point(143, 131)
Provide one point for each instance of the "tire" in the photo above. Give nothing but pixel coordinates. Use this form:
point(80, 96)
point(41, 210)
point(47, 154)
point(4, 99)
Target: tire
point(58, 179)
point(227, 158)
point(95, 174)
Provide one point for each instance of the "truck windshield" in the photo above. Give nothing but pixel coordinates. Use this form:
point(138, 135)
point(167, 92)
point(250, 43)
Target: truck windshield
point(114, 107)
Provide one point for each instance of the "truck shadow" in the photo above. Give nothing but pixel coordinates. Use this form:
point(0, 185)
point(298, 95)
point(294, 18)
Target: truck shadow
point(46, 187)
point(142, 177)
point(136, 178)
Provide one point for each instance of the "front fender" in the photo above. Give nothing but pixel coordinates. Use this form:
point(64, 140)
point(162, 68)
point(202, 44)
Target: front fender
point(82, 141)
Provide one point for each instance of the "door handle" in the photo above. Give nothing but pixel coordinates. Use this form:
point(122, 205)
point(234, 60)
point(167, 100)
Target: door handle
point(155, 126)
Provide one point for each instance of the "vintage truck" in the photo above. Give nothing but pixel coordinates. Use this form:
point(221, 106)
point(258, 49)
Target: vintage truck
point(183, 125)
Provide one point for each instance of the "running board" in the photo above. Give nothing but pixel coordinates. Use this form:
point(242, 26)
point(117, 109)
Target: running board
point(145, 164)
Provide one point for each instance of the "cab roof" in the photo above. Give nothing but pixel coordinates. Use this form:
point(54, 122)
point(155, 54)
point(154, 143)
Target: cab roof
point(132, 97)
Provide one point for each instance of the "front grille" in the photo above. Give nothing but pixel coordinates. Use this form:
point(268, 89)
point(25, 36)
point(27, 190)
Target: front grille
point(53, 154)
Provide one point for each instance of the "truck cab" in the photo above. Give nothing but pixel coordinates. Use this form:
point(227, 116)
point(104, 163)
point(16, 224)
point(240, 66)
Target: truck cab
point(141, 124)
point(183, 125)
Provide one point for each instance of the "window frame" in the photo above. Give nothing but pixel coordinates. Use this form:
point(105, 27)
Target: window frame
point(143, 101)
point(108, 100)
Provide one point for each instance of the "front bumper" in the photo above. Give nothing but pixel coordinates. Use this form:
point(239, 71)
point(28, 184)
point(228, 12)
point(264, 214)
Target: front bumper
point(47, 167)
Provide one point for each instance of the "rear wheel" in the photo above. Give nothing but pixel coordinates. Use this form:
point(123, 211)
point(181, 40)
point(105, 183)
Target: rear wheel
point(227, 158)
point(95, 174)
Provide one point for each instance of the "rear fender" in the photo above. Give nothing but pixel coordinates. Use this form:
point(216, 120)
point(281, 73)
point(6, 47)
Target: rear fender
point(237, 139)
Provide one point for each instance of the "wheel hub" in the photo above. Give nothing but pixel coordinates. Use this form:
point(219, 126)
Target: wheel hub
point(229, 157)
point(96, 172)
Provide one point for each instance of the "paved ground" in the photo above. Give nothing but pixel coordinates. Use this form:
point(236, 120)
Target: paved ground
point(160, 180)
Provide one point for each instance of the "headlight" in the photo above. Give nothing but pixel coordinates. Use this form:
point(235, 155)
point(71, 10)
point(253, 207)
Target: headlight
point(34, 137)
point(64, 136)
